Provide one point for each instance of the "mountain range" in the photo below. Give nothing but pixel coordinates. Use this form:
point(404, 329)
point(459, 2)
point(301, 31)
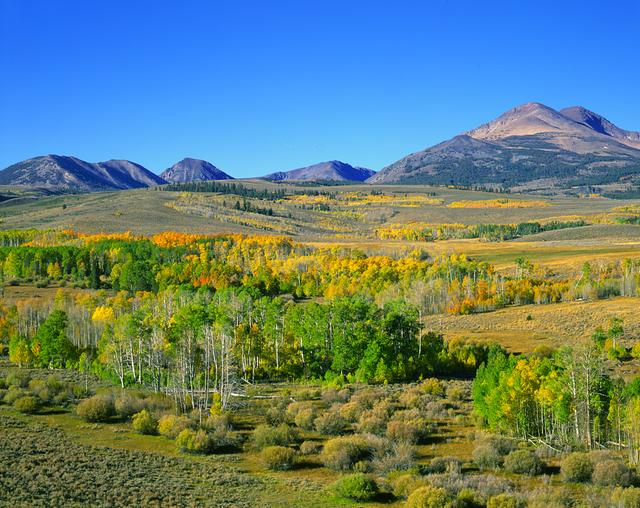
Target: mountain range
point(330, 170)
point(191, 170)
point(529, 148)
point(70, 174)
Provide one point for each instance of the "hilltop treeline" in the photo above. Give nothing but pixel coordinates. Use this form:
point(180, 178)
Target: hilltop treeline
point(490, 232)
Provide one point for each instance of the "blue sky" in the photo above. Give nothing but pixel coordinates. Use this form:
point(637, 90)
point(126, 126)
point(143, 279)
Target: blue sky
point(256, 87)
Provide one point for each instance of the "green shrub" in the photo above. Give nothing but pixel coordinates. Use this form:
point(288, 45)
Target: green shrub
point(126, 406)
point(295, 407)
point(307, 394)
point(278, 458)
point(358, 486)
point(305, 418)
point(145, 423)
point(171, 425)
point(390, 457)
point(523, 462)
point(195, 442)
point(330, 423)
point(99, 408)
point(612, 473)
point(444, 464)
point(372, 424)
point(310, 447)
point(404, 484)
point(504, 501)
point(39, 388)
point(218, 429)
point(265, 435)
point(351, 411)
point(14, 393)
point(486, 456)
point(411, 431)
point(431, 386)
point(18, 378)
point(27, 405)
point(428, 497)
point(577, 467)
point(342, 453)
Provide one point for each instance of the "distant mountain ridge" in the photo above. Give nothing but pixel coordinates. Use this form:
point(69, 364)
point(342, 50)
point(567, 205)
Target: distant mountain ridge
point(69, 174)
point(192, 170)
point(330, 170)
point(532, 148)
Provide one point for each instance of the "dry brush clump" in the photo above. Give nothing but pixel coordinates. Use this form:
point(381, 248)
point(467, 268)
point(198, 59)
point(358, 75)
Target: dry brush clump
point(330, 423)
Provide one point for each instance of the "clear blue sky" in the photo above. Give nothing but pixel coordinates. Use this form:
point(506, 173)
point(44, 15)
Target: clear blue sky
point(261, 86)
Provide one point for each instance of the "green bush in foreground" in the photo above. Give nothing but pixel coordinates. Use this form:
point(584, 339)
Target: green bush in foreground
point(504, 501)
point(27, 405)
point(145, 423)
point(99, 408)
point(358, 486)
point(428, 497)
point(279, 458)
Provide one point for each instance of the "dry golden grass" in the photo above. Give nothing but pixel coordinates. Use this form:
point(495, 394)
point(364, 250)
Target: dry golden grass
point(553, 324)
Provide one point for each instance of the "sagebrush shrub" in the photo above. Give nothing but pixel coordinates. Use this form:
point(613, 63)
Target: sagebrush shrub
point(330, 423)
point(145, 423)
point(310, 447)
point(278, 458)
point(411, 431)
point(171, 425)
point(403, 485)
point(444, 465)
point(14, 393)
point(357, 486)
point(612, 473)
point(265, 435)
point(305, 418)
point(27, 405)
point(627, 498)
point(504, 501)
point(428, 497)
point(486, 457)
point(577, 467)
point(99, 408)
point(523, 462)
point(200, 442)
point(127, 405)
point(341, 453)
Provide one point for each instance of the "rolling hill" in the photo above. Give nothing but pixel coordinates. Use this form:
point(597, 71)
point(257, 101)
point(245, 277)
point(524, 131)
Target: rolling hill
point(531, 148)
point(60, 173)
point(331, 170)
point(192, 170)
